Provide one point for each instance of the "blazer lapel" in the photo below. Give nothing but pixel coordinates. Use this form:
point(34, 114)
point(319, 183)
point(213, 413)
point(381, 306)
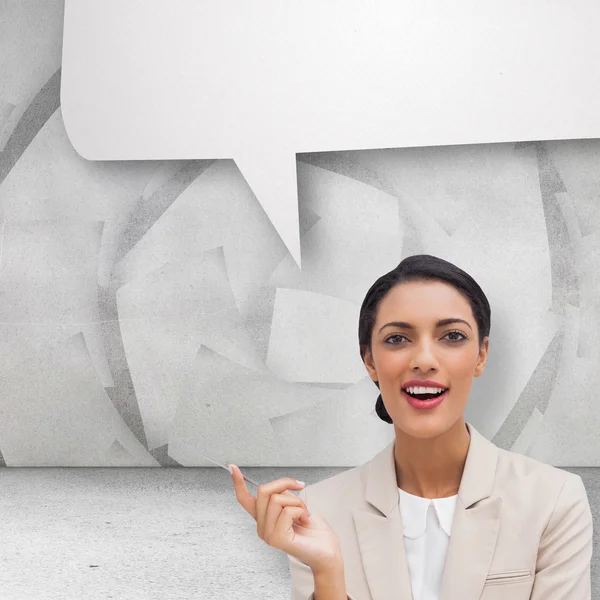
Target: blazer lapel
point(380, 534)
point(474, 529)
point(476, 523)
point(383, 555)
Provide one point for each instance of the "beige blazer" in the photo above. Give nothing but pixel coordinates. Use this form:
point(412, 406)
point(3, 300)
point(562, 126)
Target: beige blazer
point(522, 530)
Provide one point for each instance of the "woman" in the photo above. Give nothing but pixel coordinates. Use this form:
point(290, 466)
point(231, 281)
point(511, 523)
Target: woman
point(441, 513)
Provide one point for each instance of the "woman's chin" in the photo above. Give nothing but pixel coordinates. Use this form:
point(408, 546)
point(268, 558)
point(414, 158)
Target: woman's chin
point(422, 426)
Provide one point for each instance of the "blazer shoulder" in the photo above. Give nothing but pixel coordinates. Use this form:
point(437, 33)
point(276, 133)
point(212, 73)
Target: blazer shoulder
point(346, 487)
point(520, 472)
point(529, 465)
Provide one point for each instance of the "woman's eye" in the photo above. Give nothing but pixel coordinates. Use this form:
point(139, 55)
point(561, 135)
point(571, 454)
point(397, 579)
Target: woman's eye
point(457, 339)
point(397, 338)
point(394, 337)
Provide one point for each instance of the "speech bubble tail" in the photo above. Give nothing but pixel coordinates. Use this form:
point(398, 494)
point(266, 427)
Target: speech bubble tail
point(273, 179)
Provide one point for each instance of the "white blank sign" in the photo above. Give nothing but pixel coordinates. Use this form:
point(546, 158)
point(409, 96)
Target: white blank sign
point(261, 80)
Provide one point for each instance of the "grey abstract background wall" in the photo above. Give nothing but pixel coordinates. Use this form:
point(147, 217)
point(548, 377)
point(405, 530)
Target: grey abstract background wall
point(149, 312)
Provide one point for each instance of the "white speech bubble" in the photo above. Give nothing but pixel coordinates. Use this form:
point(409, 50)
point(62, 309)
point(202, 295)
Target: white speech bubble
point(259, 81)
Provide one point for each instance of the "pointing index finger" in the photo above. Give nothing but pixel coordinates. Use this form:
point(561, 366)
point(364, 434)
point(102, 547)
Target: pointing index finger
point(248, 501)
point(244, 497)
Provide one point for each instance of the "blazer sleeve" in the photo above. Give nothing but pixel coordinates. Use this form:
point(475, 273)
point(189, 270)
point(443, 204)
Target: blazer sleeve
point(303, 583)
point(563, 569)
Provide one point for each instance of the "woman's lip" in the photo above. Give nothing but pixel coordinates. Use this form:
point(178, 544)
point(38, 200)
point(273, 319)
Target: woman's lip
point(425, 404)
point(423, 383)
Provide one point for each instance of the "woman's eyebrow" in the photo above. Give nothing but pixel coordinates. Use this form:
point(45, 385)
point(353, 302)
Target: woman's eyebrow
point(440, 323)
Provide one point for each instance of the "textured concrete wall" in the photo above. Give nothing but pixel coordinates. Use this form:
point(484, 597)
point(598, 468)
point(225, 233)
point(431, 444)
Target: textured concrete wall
point(151, 314)
point(152, 534)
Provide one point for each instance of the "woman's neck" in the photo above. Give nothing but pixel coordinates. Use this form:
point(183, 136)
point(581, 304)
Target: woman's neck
point(432, 468)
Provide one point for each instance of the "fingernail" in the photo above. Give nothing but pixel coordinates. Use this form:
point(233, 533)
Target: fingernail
point(300, 482)
point(230, 467)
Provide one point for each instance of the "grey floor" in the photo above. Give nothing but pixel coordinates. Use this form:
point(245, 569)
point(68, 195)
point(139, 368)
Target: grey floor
point(144, 534)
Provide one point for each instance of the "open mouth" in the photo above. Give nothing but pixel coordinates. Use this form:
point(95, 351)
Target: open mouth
point(424, 396)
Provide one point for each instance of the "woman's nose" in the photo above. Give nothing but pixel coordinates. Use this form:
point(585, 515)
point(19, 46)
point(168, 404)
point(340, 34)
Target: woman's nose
point(424, 357)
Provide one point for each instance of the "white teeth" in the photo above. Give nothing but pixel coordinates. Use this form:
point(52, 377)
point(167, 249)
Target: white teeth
point(424, 390)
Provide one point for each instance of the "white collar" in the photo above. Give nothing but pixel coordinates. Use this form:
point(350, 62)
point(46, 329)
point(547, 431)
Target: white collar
point(413, 510)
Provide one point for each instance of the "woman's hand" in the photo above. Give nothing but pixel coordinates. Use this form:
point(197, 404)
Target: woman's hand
point(284, 522)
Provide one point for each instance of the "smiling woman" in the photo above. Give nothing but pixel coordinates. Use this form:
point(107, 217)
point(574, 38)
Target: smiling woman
point(426, 315)
point(440, 513)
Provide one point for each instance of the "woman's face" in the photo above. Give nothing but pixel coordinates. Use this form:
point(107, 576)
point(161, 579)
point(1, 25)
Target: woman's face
point(407, 343)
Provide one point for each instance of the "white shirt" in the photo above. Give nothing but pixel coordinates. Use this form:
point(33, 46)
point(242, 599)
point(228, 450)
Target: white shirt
point(427, 527)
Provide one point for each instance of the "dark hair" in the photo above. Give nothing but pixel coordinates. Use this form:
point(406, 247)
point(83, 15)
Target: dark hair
point(420, 267)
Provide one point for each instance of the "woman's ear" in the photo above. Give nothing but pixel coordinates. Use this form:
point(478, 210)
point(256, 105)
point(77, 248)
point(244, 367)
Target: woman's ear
point(482, 358)
point(370, 365)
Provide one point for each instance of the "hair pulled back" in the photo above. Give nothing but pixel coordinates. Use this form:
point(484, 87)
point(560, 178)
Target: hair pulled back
point(420, 267)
